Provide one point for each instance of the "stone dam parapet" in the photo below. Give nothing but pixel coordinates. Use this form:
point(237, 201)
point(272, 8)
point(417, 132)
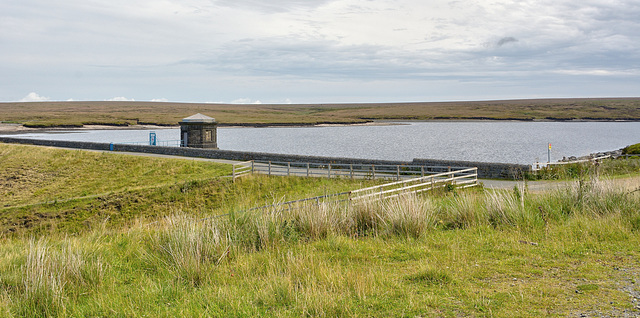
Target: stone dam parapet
point(486, 170)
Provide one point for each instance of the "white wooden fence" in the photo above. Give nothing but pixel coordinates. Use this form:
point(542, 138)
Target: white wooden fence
point(462, 178)
point(241, 169)
point(333, 170)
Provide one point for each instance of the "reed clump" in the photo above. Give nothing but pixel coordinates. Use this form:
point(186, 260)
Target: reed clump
point(53, 272)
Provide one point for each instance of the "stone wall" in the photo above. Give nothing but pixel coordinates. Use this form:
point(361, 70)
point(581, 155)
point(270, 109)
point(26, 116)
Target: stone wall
point(485, 169)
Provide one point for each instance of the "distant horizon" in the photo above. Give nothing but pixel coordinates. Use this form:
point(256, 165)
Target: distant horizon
point(321, 103)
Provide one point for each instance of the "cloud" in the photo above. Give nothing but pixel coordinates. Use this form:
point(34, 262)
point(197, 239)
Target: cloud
point(159, 100)
point(273, 5)
point(199, 50)
point(245, 101)
point(33, 97)
point(506, 40)
point(121, 99)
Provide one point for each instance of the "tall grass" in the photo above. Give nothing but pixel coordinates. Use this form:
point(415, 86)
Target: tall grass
point(410, 215)
point(51, 274)
point(407, 215)
point(186, 246)
point(410, 255)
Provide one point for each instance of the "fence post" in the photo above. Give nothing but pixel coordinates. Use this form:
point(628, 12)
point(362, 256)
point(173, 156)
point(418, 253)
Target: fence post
point(351, 170)
point(422, 171)
point(431, 183)
point(307, 169)
point(476, 176)
point(252, 168)
point(373, 171)
point(288, 169)
point(329, 175)
point(233, 172)
point(269, 168)
point(398, 173)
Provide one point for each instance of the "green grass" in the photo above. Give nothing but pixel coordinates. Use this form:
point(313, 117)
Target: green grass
point(631, 149)
point(48, 189)
point(606, 168)
point(482, 253)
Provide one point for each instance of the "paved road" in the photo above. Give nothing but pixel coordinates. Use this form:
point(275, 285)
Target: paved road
point(626, 183)
point(531, 185)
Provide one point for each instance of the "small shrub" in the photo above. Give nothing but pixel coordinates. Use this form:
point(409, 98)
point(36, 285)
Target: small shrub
point(631, 149)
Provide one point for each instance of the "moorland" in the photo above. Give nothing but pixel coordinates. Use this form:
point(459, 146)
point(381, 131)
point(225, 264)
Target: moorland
point(78, 113)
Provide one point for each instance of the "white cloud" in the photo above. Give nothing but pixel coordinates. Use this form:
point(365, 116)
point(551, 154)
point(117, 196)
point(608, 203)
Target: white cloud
point(159, 100)
point(121, 99)
point(33, 97)
point(245, 101)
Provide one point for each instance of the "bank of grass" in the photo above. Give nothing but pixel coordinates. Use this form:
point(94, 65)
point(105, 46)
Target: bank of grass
point(631, 149)
point(610, 168)
point(30, 174)
point(495, 253)
point(567, 252)
point(48, 189)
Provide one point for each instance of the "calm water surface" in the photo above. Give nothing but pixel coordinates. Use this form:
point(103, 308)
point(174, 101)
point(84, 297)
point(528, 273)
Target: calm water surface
point(490, 141)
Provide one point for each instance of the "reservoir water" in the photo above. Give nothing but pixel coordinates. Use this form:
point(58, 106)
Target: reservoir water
point(489, 141)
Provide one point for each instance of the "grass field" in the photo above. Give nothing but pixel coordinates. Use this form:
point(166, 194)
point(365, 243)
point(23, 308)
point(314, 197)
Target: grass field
point(143, 249)
point(47, 114)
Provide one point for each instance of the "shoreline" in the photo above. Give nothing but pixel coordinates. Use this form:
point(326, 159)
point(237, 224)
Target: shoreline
point(12, 128)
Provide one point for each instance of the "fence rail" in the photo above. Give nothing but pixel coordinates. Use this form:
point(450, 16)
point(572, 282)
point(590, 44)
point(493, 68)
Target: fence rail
point(333, 170)
point(462, 178)
point(241, 169)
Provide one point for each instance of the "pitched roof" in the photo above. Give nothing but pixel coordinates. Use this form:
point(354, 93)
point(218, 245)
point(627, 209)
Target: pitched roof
point(199, 118)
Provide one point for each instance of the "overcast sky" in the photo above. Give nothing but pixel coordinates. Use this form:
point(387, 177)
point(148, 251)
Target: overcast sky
point(317, 51)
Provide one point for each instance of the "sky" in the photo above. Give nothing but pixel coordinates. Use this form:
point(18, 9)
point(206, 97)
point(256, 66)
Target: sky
point(317, 51)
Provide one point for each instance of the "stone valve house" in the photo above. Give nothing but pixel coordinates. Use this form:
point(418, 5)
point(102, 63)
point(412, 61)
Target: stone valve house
point(199, 131)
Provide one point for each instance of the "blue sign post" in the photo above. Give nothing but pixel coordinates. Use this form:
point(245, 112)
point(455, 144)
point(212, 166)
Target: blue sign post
point(152, 138)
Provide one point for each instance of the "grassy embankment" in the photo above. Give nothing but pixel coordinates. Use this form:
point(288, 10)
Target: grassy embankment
point(76, 114)
point(606, 168)
point(510, 253)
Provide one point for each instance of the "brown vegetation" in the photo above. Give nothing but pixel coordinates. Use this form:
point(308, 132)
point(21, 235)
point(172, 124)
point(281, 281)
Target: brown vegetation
point(74, 114)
